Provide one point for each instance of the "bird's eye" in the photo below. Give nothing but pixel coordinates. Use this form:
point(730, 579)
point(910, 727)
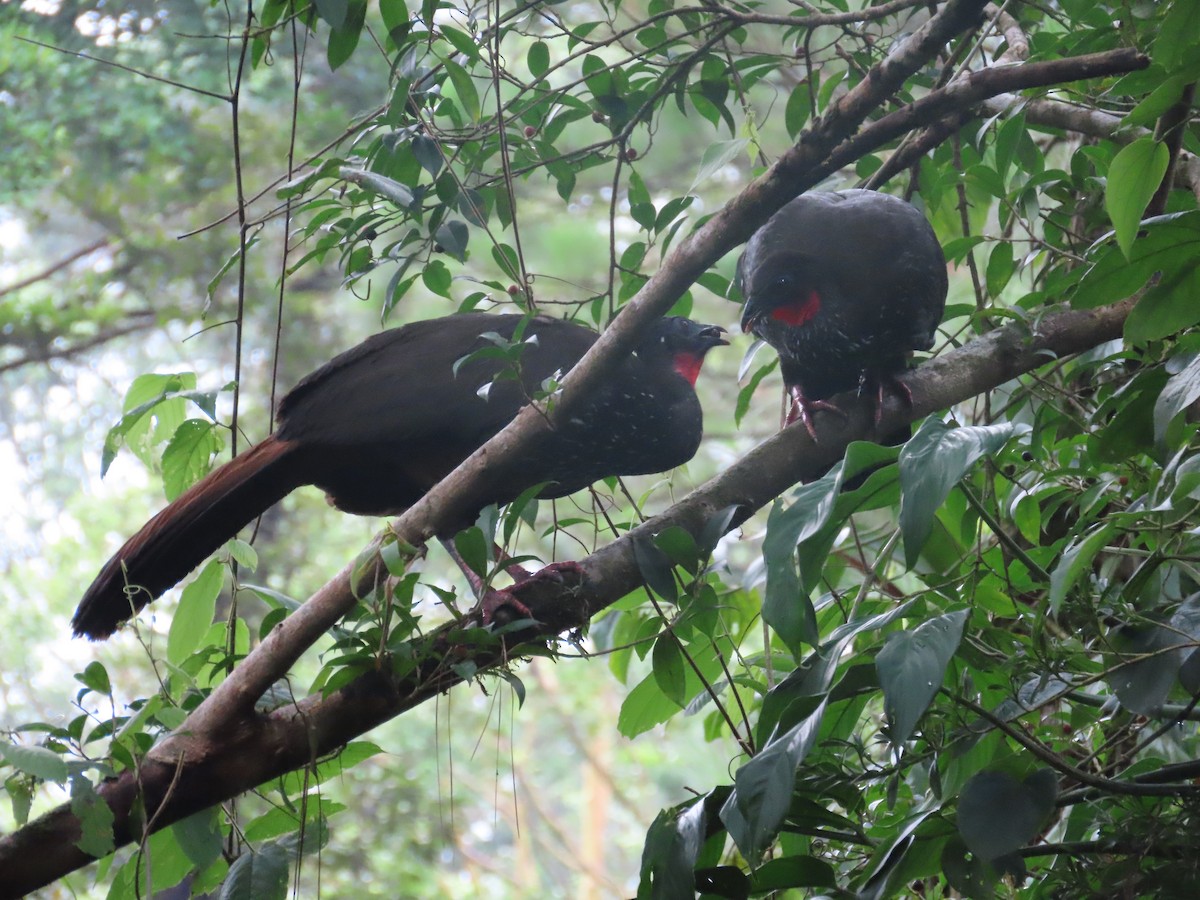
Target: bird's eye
point(782, 282)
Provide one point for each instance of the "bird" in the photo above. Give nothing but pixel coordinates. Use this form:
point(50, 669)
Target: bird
point(377, 426)
point(844, 285)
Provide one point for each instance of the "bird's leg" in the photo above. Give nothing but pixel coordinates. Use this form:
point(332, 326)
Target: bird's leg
point(800, 407)
point(490, 599)
point(522, 577)
point(881, 381)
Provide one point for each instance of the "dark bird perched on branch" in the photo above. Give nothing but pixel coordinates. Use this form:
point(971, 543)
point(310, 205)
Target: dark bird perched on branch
point(379, 425)
point(844, 285)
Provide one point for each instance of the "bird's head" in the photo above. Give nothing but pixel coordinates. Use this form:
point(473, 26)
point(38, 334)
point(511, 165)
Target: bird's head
point(777, 288)
point(682, 342)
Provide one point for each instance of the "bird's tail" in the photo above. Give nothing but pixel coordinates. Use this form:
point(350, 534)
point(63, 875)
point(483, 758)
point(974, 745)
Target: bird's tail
point(179, 538)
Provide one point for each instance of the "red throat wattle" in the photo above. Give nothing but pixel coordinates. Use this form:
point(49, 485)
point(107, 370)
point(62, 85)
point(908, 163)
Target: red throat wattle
point(688, 365)
point(798, 312)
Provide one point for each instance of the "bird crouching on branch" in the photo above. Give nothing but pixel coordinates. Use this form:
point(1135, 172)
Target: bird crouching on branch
point(844, 285)
point(379, 425)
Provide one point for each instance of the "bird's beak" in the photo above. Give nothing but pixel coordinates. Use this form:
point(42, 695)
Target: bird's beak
point(750, 316)
point(712, 334)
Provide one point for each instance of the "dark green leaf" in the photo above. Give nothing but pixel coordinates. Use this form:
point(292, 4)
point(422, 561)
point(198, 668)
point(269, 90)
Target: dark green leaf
point(395, 17)
point(799, 106)
point(998, 814)
point(912, 665)
point(655, 569)
point(679, 546)
point(199, 835)
point(1181, 390)
point(792, 872)
point(932, 462)
point(1076, 560)
point(670, 670)
point(428, 154)
point(474, 549)
point(452, 238)
point(258, 875)
point(1143, 684)
point(672, 845)
point(763, 787)
point(343, 37)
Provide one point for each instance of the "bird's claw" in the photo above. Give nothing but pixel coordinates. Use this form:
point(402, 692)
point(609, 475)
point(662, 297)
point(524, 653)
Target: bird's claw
point(800, 407)
point(494, 601)
point(501, 608)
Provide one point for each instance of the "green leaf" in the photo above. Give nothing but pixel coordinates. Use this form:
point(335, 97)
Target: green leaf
point(763, 787)
point(95, 820)
point(506, 258)
point(998, 815)
point(673, 842)
point(243, 554)
point(1133, 177)
point(644, 707)
point(197, 606)
point(647, 706)
point(463, 42)
point(261, 875)
point(395, 17)
point(199, 835)
point(792, 872)
point(911, 667)
point(538, 59)
point(1169, 306)
point(332, 12)
point(1181, 390)
point(932, 462)
point(656, 569)
point(679, 546)
point(188, 456)
point(1077, 559)
point(1143, 684)
point(716, 157)
point(464, 89)
point(1179, 33)
point(452, 237)
point(786, 608)
point(39, 762)
point(428, 153)
point(343, 37)
point(670, 668)
point(95, 678)
point(437, 278)
point(474, 549)
point(999, 268)
point(798, 109)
